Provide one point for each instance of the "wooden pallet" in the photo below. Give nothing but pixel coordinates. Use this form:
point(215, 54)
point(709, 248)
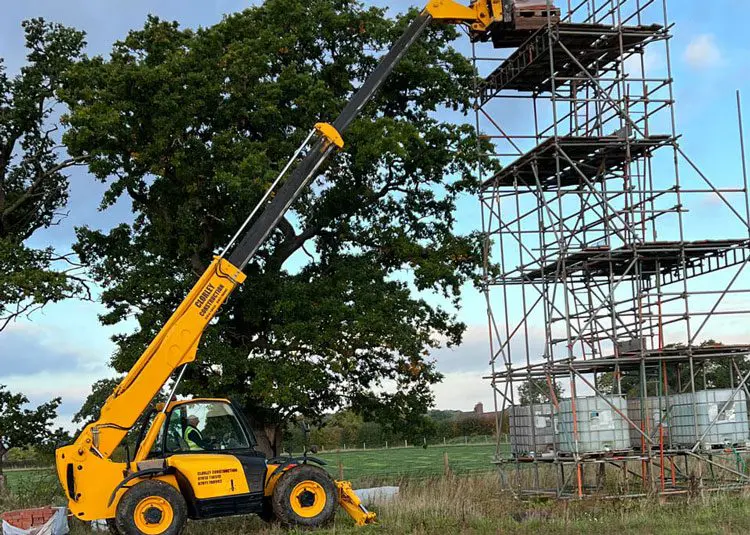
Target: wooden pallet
point(535, 17)
point(723, 446)
point(596, 455)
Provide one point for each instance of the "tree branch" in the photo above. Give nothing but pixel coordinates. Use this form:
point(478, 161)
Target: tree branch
point(137, 195)
point(38, 181)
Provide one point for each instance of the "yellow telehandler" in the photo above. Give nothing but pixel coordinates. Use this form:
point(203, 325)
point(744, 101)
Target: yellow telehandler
point(196, 458)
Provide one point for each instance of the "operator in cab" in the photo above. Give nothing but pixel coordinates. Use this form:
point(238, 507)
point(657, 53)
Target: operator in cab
point(193, 437)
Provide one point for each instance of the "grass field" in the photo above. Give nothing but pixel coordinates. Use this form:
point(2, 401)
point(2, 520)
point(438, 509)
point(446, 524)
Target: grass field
point(18, 477)
point(391, 465)
point(362, 467)
point(473, 504)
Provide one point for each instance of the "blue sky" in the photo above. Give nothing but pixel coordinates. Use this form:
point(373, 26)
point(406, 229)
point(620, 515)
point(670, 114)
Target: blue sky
point(63, 349)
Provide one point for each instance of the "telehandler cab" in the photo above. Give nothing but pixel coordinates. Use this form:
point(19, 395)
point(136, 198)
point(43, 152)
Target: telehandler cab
point(196, 458)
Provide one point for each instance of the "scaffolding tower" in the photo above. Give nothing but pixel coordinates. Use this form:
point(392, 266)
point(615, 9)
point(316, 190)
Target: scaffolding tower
point(612, 262)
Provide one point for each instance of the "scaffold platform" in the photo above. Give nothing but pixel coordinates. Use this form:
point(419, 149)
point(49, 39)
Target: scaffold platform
point(654, 258)
point(557, 55)
point(566, 161)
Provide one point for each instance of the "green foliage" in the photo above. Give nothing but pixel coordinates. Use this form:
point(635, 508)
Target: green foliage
point(345, 429)
point(33, 186)
point(474, 425)
point(537, 391)
point(21, 427)
point(393, 465)
point(193, 126)
point(709, 374)
point(90, 409)
point(31, 488)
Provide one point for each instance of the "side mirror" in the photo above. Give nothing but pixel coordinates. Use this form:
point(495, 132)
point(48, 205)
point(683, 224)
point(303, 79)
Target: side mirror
point(314, 449)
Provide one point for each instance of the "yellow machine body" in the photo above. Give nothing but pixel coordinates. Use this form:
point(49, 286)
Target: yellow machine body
point(211, 476)
point(97, 483)
point(478, 15)
point(85, 468)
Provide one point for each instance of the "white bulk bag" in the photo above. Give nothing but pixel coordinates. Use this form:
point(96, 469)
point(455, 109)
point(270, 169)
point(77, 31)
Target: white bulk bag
point(57, 525)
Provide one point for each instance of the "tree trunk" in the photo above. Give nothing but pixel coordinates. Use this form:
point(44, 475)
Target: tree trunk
point(268, 436)
point(269, 439)
point(3, 486)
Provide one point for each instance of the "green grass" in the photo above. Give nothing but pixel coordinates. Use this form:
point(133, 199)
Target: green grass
point(360, 466)
point(391, 465)
point(473, 504)
point(20, 477)
point(30, 488)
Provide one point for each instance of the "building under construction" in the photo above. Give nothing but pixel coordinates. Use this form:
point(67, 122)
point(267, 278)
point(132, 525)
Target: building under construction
point(614, 267)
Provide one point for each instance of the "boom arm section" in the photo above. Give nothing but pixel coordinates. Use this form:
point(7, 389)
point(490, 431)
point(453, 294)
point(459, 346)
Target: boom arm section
point(175, 345)
point(178, 340)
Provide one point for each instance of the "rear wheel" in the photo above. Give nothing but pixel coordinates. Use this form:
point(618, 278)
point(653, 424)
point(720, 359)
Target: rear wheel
point(151, 508)
point(305, 496)
point(112, 525)
point(266, 514)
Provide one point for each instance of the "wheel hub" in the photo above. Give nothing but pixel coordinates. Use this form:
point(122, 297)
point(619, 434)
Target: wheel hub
point(306, 499)
point(153, 515)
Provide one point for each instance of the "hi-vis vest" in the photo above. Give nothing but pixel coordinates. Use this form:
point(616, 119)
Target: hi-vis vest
point(186, 435)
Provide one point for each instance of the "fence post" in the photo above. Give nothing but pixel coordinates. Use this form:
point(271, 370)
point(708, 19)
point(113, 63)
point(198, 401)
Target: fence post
point(446, 464)
point(386, 444)
point(341, 469)
point(405, 443)
point(364, 445)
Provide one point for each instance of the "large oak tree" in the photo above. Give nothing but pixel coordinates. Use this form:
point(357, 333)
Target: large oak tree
point(193, 125)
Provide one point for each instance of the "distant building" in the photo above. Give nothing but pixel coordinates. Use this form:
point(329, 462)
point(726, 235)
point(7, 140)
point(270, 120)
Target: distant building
point(478, 412)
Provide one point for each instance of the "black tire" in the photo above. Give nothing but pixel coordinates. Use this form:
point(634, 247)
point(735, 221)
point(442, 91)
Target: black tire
point(132, 505)
point(112, 525)
point(267, 514)
point(288, 490)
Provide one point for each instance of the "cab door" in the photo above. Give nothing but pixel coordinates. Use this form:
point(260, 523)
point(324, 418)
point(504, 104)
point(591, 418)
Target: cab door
point(213, 455)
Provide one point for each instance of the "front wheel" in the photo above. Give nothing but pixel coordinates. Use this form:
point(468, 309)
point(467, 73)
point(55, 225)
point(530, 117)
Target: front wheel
point(112, 526)
point(151, 508)
point(305, 496)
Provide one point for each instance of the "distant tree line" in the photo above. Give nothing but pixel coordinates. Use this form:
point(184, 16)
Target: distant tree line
point(345, 429)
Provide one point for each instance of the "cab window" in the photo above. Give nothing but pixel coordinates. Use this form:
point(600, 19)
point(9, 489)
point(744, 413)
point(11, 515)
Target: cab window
point(156, 448)
point(204, 427)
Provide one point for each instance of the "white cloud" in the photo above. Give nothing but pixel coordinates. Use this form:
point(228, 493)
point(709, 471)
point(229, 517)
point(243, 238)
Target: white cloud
point(472, 355)
point(654, 64)
point(703, 52)
point(461, 391)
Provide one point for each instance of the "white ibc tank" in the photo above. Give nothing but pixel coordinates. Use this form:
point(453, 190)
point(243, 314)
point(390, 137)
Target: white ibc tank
point(691, 418)
point(529, 435)
point(655, 411)
point(600, 428)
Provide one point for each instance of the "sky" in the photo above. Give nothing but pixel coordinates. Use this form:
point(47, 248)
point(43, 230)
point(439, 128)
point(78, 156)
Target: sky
point(62, 350)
